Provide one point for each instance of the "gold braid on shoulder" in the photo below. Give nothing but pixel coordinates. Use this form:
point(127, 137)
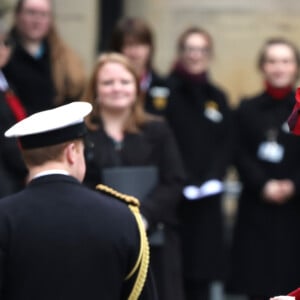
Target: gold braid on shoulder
point(142, 263)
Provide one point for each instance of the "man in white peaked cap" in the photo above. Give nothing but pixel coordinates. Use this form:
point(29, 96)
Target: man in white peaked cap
point(58, 239)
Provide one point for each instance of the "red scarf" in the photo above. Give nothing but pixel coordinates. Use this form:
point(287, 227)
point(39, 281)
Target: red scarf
point(15, 105)
point(278, 93)
point(295, 293)
point(294, 120)
point(200, 78)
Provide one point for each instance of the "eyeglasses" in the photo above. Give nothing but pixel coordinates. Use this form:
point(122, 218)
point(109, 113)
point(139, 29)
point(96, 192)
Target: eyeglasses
point(36, 13)
point(6, 43)
point(201, 50)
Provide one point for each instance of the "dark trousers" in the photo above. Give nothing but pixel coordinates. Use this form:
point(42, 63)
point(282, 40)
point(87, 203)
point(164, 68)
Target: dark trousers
point(166, 267)
point(196, 290)
point(258, 298)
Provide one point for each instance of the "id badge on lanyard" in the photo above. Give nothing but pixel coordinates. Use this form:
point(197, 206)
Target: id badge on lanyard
point(270, 150)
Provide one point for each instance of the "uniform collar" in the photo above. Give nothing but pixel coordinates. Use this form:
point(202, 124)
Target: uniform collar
point(51, 172)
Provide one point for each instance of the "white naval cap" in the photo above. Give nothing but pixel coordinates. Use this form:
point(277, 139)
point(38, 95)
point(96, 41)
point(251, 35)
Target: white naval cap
point(51, 127)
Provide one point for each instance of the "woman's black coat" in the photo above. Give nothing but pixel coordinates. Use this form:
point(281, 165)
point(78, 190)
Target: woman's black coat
point(155, 100)
point(200, 118)
point(12, 167)
point(267, 241)
point(31, 79)
point(154, 145)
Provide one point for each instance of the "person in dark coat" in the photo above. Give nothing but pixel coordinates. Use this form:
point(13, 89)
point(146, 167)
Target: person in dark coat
point(266, 241)
point(44, 71)
point(133, 37)
point(124, 135)
point(58, 238)
point(12, 168)
point(200, 118)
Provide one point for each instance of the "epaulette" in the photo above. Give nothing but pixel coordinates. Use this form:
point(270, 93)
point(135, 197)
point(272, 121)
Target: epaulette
point(141, 266)
point(129, 200)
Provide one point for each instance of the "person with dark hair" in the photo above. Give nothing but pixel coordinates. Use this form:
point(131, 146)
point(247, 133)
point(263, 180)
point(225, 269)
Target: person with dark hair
point(43, 69)
point(12, 168)
point(58, 238)
point(266, 240)
point(125, 137)
point(133, 37)
point(200, 118)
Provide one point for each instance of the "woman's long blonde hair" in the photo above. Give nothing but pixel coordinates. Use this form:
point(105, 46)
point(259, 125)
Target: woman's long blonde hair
point(67, 69)
point(138, 116)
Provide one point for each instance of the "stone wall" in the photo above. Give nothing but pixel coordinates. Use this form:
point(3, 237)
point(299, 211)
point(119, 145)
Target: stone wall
point(77, 23)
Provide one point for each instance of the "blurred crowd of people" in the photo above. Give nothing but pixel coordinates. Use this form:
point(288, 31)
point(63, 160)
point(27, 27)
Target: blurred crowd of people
point(183, 125)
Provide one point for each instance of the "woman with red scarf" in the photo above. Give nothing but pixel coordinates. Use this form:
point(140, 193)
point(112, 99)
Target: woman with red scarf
point(200, 117)
point(12, 168)
point(266, 244)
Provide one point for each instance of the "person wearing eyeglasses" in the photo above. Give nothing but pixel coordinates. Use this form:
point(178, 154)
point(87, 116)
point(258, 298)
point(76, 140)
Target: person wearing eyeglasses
point(44, 70)
point(12, 168)
point(200, 118)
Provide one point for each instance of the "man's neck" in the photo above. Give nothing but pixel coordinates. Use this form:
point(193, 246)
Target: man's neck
point(50, 172)
point(47, 169)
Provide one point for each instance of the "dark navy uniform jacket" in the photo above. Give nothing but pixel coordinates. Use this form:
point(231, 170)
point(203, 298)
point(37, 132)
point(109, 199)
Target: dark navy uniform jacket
point(59, 240)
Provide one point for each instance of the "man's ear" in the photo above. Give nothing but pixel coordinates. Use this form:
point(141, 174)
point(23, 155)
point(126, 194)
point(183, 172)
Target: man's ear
point(70, 153)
